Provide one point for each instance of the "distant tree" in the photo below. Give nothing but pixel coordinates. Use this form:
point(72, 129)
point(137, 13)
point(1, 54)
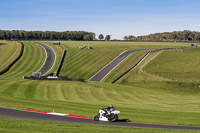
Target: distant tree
point(21, 34)
point(87, 37)
point(131, 37)
point(197, 36)
point(101, 37)
point(107, 37)
point(125, 38)
point(169, 36)
point(173, 36)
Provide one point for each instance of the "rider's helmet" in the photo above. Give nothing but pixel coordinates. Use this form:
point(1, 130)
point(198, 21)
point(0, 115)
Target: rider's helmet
point(111, 106)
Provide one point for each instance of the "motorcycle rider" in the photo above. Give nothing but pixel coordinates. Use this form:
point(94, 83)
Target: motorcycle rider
point(109, 109)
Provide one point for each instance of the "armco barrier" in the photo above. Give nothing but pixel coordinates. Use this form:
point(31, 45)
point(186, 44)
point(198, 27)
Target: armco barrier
point(141, 60)
point(11, 64)
point(54, 78)
point(61, 62)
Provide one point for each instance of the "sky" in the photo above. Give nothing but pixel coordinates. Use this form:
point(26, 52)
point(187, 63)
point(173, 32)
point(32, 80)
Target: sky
point(108, 17)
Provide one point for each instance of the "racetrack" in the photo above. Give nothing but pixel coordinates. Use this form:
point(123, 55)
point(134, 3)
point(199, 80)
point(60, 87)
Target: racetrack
point(100, 75)
point(13, 113)
point(50, 59)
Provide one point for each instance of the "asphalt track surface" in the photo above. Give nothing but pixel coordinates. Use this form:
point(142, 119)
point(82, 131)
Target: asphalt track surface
point(13, 113)
point(50, 60)
point(100, 75)
point(9, 78)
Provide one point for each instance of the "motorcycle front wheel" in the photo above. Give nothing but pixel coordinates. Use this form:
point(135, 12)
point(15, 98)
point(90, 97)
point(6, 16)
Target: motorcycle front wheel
point(96, 118)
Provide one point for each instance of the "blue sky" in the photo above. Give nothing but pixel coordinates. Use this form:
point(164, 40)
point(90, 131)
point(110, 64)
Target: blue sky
point(114, 17)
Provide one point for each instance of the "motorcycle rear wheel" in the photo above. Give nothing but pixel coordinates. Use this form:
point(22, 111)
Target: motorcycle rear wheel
point(113, 117)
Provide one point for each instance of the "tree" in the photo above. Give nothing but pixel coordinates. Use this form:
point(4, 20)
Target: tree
point(87, 37)
point(131, 37)
point(107, 37)
point(125, 38)
point(197, 36)
point(101, 36)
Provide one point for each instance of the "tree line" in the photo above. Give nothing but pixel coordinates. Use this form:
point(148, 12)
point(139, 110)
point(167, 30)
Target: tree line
point(48, 35)
point(185, 35)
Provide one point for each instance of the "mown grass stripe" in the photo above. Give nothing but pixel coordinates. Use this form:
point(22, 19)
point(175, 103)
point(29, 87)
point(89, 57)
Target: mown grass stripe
point(27, 63)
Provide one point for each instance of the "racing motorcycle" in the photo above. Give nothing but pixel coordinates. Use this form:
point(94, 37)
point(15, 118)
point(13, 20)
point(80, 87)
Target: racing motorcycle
point(107, 115)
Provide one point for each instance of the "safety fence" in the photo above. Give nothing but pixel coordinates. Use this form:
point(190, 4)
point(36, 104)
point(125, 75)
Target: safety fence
point(54, 78)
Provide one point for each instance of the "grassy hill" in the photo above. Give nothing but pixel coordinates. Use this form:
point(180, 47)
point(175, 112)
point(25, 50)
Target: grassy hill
point(151, 102)
point(31, 60)
point(143, 95)
point(124, 66)
point(178, 65)
point(9, 51)
point(84, 63)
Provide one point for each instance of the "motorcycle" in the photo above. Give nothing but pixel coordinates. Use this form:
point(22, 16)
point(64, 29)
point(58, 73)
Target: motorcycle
point(107, 115)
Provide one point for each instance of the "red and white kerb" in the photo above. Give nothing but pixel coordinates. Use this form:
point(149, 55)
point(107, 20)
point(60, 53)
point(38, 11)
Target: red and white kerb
point(59, 114)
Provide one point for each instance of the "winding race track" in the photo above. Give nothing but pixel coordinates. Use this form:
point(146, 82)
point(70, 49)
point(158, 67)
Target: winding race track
point(12, 113)
point(48, 64)
point(100, 75)
point(50, 59)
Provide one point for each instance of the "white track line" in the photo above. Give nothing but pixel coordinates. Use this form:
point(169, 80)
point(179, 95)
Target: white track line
point(108, 64)
point(45, 59)
point(59, 114)
point(115, 67)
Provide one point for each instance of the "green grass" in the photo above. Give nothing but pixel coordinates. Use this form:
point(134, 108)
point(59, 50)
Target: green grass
point(31, 61)
point(141, 96)
point(139, 75)
point(10, 125)
point(149, 102)
point(85, 63)
point(124, 66)
point(9, 51)
point(178, 65)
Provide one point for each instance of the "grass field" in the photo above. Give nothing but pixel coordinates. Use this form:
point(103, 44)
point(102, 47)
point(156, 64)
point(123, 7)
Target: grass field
point(9, 51)
point(140, 103)
point(139, 75)
point(9, 125)
point(31, 61)
point(178, 65)
point(142, 96)
point(124, 66)
point(85, 63)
